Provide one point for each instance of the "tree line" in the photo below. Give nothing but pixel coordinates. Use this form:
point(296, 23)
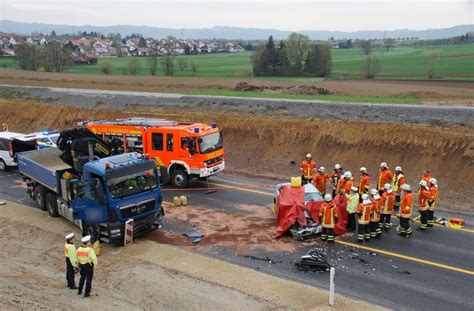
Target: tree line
point(296, 56)
point(51, 57)
point(169, 65)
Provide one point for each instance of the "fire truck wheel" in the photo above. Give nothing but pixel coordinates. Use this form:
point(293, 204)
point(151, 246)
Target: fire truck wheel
point(180, 178)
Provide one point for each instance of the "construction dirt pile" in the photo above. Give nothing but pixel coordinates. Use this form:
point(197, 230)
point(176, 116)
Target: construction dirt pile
point(299, 89)
point(430, 92)
point(142, 276)
point(272, 146)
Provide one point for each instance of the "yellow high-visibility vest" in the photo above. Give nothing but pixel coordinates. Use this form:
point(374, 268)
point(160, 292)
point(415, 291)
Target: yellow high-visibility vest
point(70, 252)
point(86, 255)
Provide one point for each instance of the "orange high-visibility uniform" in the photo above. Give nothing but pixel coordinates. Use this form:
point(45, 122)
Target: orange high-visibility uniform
point(385, 177)
point(320, 180)
point(364, 183)
point(364, 213)
point(387, 202)
point(427, 177)
point(423, 196)
point(375, 211)
point(307, 168)
point(332, 176)
point(328, 214)
point(344, 186)
point(407, 205)
point(434, 195)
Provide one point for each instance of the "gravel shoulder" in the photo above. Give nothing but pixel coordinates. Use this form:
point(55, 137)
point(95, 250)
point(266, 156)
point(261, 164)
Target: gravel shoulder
point(143, 276)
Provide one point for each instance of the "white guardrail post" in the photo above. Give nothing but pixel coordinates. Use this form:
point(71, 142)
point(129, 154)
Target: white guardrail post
point(332, 271)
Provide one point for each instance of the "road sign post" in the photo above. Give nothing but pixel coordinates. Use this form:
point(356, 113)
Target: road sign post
point(331, 286)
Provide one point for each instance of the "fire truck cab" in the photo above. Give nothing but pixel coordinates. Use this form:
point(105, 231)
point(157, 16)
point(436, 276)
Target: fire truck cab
point(184, 151)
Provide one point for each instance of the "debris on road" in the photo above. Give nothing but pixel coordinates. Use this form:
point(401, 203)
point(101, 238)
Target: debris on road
point(193, 235)
point(313, 260)
point(3, 202)
point(267, 259)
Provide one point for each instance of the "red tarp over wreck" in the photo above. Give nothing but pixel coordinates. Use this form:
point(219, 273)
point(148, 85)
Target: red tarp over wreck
point(290, 209)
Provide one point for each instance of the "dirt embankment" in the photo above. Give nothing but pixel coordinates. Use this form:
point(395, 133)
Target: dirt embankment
point(429, 92)
point(269, 146)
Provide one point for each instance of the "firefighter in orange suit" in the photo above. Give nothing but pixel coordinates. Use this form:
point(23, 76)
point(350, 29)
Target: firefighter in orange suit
point(406, 209)
point(375, 230)
point(320, 180)
point(363, 211)
point(364, 181)
point(335, 176)
point(424, 195)
point(345, 183)
point(433, 202)
point(387, 205)
point(328, 215)
point(385, 177)
point(307, 168)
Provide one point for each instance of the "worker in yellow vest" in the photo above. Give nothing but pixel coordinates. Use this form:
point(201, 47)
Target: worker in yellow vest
point(87, 263)
point(71, 260)
point(352, 203)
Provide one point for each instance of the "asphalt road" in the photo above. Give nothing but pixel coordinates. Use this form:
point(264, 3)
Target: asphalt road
point(431, 270)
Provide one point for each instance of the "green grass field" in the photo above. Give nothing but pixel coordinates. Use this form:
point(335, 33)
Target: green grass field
point(456, 62)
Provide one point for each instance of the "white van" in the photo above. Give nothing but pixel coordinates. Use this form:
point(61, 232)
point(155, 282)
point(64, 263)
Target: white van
point(6, 154)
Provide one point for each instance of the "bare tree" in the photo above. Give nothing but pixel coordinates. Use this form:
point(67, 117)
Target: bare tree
point(389, 43)
point(28, 56)
point(106, 67)
point(371, 67)
point(152, 64)
point(194, 68)
point(366, 46)
point(430, 61)
point(183, 64)
point(56, 57)
point(133, 66)
point(167, 64)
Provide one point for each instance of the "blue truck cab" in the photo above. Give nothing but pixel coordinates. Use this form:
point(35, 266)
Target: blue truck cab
point(102, 198)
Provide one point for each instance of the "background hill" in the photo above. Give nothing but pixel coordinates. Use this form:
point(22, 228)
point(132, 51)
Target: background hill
point(232, 32)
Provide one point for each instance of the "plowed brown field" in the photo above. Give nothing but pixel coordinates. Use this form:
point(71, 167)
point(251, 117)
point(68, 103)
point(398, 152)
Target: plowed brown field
point(267, 145)
point(432, 92)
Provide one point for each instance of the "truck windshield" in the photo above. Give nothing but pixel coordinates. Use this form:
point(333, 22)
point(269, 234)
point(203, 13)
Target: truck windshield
point(123, 186)
point(211, 142)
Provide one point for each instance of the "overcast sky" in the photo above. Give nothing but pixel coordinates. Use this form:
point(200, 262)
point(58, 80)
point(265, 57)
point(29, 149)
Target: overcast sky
point(345, 15)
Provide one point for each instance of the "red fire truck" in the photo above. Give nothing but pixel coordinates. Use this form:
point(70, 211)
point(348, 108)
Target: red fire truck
point(184, 151)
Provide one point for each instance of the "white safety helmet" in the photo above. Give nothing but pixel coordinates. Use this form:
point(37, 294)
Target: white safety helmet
point(398, 168)
point(365, 196)
point(406, 187)
point(328, 197)
point(308, 155)
point(354, 189)
point(337, 166)
point(347, 174)
point(433, 181)
point(373, 191)
point(377, 197)
point(387, 186)
point(70, 236)
point(86, 239)
point(423, 183)
point(363, 169)
point(322, 169)
point(384, 164)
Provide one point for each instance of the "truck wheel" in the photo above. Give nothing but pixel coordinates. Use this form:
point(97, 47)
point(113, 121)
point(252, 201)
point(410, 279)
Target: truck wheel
point(92, 230)
point(179, 178)
point(40, 197)
point(52, 204)
point(3, 166)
